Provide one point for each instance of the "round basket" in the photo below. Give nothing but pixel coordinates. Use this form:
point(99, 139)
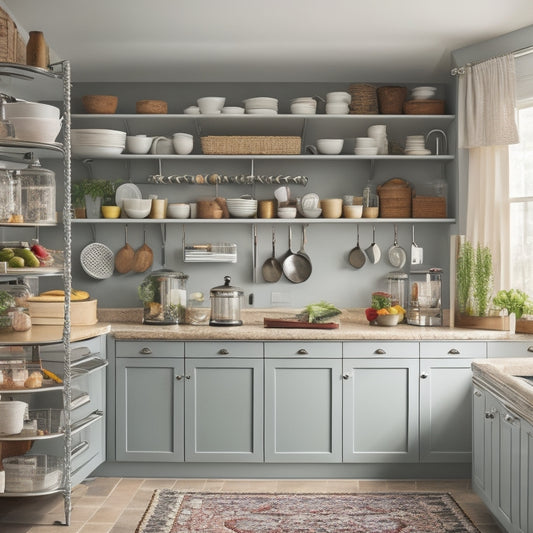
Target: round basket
point(364, 99)
point(391, 99)
point(97, 260)
point(395, 197)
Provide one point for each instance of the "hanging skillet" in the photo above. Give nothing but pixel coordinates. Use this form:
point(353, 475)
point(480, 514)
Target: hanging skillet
point(397, 255)
point(357, 257)
point(373, 251)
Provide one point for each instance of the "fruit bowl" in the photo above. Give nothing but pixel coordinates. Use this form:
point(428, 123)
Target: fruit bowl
point(387, 320)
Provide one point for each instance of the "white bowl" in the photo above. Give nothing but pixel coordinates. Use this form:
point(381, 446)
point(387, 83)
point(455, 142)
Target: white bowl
point(81, 150)
point(286, 212)
point(137, 207)
point(352, 211)
point(192, 110)
point(31, 109)
point(371, 150)
point(178, 210)
point(335, 108)
point(233, 110)
point(338, 97)
point(210, 105)
point(183, 143)
point(365, 142)
point(330, 146)
point(303, 109)
point(311, 212)
point(138, 144)
point(43, 130)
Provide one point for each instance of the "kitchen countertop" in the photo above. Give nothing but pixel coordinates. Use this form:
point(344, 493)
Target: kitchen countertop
point(500, 377)
point(127, 324)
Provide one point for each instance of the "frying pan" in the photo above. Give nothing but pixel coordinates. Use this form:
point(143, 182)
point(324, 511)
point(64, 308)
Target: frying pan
point(297, 266)
point(272, 268)
point(373, 252)
point(357, 257)
point(396, 254)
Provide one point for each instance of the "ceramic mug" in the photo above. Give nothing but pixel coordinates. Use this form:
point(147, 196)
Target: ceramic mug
point(162, 145)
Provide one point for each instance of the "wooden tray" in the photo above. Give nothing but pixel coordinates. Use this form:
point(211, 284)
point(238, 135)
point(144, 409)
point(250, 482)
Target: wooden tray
point(282, 323)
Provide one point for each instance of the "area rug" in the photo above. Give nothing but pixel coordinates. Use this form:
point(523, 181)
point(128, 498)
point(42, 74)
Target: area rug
point(407, 512)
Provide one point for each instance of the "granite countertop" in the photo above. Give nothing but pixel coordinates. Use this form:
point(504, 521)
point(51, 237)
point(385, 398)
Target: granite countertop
point(127, 324)
point(500, 376)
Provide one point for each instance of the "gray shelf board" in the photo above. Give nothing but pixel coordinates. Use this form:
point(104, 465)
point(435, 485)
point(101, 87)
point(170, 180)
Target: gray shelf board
point(263, 221)
point(20, 81)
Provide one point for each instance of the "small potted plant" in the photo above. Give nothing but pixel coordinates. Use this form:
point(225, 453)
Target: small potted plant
point(95, 193)
point(514, 302)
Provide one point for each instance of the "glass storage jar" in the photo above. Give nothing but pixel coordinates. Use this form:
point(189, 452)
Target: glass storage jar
point(397, 282)
point(38, 194)
point(226, 304)
point(10, 197)
point(370, 202)
point(425, 300)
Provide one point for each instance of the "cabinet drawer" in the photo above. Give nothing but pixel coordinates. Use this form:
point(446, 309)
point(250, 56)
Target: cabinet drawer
point(510, 349)
point(453, 349)
point(149, 349)
point(331, 350)
point(380, 349)
point(223, 349)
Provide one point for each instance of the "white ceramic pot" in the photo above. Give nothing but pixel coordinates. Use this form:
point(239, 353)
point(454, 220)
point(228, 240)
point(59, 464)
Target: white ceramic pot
point(12, 417)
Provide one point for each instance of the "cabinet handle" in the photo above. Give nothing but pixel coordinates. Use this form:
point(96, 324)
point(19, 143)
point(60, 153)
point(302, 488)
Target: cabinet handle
point(346, 376)
point(223, 351)
point(489, 414)
point(380, 351)
point(424, 375)
point(179, 378)
point(477, 393)
point(146, 350)
point(454, 351)
point(530, 349)
point(509, 418)
point(302, 351)
point(187, 377)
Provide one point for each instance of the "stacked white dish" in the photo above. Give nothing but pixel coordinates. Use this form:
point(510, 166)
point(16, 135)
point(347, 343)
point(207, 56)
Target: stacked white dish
point(33, 121)
point(304, 105)
point(233, 110)
point(423, 93)
point(310, 205)
point(287, 212)
point(97, 142)
point(365, 146)
point(211, 105)
point(261, 105)
point(379, 133)
point(241, 207)
point(337, 103)
point(415, 145)
point(137, 207)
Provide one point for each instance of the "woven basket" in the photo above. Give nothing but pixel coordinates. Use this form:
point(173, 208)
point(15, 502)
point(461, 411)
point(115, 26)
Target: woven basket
point(391, 99)
point(395, 197)
point(250, 145)
point(429, 207)
point(364, 99)
point(12, 47)
point(424, 107)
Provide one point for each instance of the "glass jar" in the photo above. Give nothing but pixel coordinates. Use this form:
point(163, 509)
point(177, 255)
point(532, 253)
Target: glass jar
point(226, 304)
point(164, 295)
point(10, 197)
point(197, 314)
point(38, 194)
point(397, 282)
point(20, 319)
point(425, 300)
point(370, 202)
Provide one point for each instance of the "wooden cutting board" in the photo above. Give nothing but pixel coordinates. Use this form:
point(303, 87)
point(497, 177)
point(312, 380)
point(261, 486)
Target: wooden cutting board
point(82, 313)
point(282, 323)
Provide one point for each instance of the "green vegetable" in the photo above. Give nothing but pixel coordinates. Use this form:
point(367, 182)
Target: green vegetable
point(514, 301)
point(381, 300)
point(6, 301)
point(148, 289)
point(319, 312)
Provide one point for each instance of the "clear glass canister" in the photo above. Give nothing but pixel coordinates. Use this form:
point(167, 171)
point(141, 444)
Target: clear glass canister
point(38, 194)
point(397, 282)
point(164, 297)
point(425, 300)
point(10, 197)
point(370, 202)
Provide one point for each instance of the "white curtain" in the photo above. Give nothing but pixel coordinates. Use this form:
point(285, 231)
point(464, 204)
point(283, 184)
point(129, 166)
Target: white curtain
point(487, 125)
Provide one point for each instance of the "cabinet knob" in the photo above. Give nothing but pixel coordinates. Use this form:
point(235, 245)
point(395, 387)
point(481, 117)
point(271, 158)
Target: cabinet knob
point(146, 350)
point(477, 393)
point(424, 375)
point(489, 414)
point(302, 351)
point(509, 418)
point(187, 377)
point(530, 349)
point(346, 376)
point(380, 351)
point(454, 351)
point(179, 378)
point(223, 351)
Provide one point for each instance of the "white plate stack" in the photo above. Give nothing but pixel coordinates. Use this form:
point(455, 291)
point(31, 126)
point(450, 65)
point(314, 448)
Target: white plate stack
point(262, 105)
point(366, 146)
point(423, 93)
point(379, 133)
point(415, 145)
point(241, 207)
point(304, 105)
point(97, 142)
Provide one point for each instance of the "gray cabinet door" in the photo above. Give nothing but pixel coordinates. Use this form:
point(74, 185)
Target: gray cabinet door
point(526, 478)
point(480, 444)
point(380, 411)
point(303, 403)
point(224, 410)
point(149, 406)
point(445, 410)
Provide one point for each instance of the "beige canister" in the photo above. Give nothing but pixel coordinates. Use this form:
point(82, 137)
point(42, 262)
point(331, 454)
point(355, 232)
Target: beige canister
point(331, 207)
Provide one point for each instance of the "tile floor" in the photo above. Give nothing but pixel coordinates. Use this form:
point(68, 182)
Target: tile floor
point(115, 505)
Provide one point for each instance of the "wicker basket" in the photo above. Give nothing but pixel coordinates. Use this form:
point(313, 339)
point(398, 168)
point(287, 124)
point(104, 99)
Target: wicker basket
point(12, 47)
point(364, 99)
point(395, 197)
point(391, 99)
point(424, 107)
point(429, 207)
point(250, 145)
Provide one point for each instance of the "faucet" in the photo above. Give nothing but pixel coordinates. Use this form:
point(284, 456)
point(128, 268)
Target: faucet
point(439, 136)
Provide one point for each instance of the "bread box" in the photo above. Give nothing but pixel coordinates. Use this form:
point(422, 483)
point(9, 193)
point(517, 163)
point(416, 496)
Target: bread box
point(82, 313)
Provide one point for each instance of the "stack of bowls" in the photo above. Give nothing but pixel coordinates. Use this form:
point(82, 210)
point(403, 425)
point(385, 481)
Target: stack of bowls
point(423, 93)
point(261, 105)
point(97, 142)
point(415, 145)
point(233, 110)
point(304, 105)
point(287, 212)
point(211, 105)
point(137, 207)
point(33, 121)
point(365, 146)
point(337, 103)
point(379, 133)
point(241, 207)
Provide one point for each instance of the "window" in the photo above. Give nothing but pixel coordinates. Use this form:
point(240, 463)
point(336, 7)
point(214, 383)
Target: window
point(521, 203)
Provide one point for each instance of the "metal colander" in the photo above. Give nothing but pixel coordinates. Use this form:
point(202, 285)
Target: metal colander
point(97, 260)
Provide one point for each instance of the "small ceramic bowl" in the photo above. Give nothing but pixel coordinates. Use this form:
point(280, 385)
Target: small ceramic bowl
point(287, 212)
point(387, 320)
point(330, 146)
point(178, 210)
point(352, 211)
point(110, 211)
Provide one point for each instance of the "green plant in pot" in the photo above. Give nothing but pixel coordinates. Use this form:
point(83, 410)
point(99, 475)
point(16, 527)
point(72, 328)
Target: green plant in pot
point(513, 301)
point(93, 193)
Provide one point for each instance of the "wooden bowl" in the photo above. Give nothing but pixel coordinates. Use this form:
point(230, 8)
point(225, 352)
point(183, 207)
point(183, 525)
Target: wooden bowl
point(100, 103)
point(156, 107)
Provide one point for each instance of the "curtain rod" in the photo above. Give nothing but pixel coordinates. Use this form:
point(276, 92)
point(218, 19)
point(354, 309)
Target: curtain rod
point(517, 53)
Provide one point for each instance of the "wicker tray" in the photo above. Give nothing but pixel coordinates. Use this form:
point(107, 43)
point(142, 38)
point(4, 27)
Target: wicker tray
point(429, 207)
point(424, 107)
point(251, 145)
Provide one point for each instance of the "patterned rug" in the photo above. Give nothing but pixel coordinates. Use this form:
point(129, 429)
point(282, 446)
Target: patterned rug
point(408, 512)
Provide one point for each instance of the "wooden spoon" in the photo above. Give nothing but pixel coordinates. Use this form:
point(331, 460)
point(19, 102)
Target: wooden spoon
point(124, 257)
point(143, 258)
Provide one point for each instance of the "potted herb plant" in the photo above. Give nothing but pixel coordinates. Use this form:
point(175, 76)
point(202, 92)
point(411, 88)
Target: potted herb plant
point(95, 193)
point(516, 303)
